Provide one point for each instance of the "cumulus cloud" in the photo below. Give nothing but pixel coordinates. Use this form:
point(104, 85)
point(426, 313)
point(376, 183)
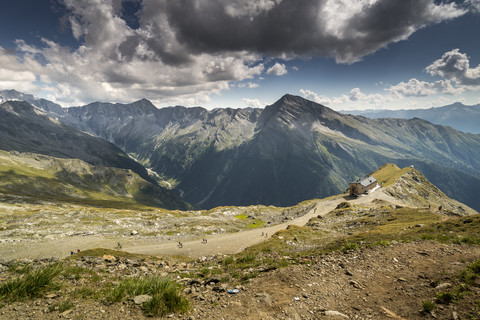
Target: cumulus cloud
point(278, 69)
point(473, 5)
point(253, 103)
point(251, 9)
point(310, 95)
point(417, 88)
point(186, 50)
point(455, 66)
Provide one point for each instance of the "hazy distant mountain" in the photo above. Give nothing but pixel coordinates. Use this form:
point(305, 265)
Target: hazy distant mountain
point(459, 116)
point(26, 129)
point(292, 150)
point(50, 107)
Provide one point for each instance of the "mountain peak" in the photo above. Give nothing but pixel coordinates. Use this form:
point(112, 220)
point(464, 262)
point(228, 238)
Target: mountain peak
point(290, 108)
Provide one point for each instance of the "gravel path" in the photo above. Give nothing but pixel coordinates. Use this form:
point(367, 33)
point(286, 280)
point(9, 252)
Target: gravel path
point(226, 243)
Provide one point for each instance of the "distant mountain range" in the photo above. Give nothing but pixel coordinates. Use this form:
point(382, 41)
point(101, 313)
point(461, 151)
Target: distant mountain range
point(290, 151)
point(457, 115)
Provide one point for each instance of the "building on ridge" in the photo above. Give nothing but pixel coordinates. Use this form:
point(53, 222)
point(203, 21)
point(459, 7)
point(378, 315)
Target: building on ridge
point(362, 185)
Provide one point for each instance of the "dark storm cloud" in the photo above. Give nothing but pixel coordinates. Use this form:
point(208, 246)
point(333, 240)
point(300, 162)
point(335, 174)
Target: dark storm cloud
point(297, 27)
point(208, 28)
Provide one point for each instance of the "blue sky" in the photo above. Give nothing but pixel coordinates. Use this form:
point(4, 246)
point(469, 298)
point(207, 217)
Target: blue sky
point(346, 54)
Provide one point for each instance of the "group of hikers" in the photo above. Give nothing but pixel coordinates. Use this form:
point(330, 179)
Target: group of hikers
point(180, 243)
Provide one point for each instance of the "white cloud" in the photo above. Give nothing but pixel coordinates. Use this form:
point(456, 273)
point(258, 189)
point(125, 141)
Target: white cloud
point(417, 88)
point(473, 5)
point(455, 66)
point(278, 69)
point(249, 8)
point(253, 103)
point(253, 85)
point(185, 51)
point(310, 95)
point(116, 63)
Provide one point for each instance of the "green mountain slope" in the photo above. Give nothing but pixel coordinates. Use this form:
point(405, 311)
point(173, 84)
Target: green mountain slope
point(43, 178)
point(84, 165)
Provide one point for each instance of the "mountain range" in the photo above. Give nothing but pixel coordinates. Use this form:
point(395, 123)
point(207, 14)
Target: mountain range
point(457, 115)
point(289, 151)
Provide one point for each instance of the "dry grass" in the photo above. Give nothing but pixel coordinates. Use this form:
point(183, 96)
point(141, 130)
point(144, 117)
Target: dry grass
point(387, 174)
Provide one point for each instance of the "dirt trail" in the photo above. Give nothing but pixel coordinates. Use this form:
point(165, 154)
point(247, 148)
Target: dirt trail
point(226, 243)
point(236, 242)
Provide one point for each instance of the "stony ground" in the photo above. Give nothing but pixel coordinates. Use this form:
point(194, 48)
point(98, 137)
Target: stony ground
point(371, 283)
point(287, 278)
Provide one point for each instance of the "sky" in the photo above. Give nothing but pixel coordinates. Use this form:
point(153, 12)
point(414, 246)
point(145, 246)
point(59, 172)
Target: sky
point(345, 54)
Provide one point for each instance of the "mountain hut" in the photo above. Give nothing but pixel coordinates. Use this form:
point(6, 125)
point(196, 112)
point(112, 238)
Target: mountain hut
point(362, 185)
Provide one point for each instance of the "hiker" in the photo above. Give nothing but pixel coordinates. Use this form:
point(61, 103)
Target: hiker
point(180, 245)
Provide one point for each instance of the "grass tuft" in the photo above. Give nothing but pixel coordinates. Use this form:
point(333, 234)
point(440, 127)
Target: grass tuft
point(61, 306)
point(166, 296)
point(428, 306)
point(445, 297)
point(31, 285)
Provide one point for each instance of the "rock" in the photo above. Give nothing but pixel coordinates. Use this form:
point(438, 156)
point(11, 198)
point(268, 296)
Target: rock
point(455, 315)
point(442, 286)
point(109, 258)
point(134, 233)
point(211, 280)
point(194, 282)
point(51, 295)
point(142, 299)
point(264, 298)
point(333, 313)
point(66, 313)
point(354, 283)
point(220, 288)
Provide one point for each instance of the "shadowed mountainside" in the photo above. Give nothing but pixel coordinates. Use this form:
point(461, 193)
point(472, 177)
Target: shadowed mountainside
point(290, 151)
point(81, 165)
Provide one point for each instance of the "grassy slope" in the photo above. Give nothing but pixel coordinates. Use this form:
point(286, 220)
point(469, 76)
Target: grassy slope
point(379, 223)
point(52, 179)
